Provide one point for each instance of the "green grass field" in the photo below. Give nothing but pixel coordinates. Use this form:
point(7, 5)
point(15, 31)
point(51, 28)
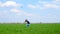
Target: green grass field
point(33, 29)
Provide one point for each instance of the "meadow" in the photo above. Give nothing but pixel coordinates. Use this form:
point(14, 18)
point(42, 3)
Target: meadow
point(52, 28)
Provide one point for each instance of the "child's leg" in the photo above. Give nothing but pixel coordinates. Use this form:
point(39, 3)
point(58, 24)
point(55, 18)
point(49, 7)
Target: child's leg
point(27, 25)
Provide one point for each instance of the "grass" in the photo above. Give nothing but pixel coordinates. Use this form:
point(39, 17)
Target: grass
point(33, 29)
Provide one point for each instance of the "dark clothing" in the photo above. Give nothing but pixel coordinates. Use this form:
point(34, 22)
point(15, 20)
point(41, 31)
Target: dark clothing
point(27, 21)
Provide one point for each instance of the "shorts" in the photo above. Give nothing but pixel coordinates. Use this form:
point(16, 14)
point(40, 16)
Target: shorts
point(27, 25)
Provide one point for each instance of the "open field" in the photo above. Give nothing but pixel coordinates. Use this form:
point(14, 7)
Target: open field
point(33, 29)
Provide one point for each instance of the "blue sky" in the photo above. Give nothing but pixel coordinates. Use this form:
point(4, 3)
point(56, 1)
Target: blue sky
point(33, 10)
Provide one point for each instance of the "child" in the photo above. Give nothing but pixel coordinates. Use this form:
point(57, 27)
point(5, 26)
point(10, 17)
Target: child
point(27, 23)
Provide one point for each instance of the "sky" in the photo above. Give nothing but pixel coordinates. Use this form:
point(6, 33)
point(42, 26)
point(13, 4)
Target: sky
point(33, 10)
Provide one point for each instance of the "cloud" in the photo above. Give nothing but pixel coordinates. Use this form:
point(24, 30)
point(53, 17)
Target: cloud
point(56, 2)
point(9, 3)
point(20, 12)
point(15, 10)
point(50, 5)
point(0, 3)
point(33, 6)
point(24, 15)
point(45, 5)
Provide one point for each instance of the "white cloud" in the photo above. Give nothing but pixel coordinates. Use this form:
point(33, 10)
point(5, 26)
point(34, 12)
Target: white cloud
point(20, 12)
point(10, 3)
point(42, 2)
point(57, 0)
point(33, 6)
point(54, 4)
point(15, 10)
point(0, 3)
